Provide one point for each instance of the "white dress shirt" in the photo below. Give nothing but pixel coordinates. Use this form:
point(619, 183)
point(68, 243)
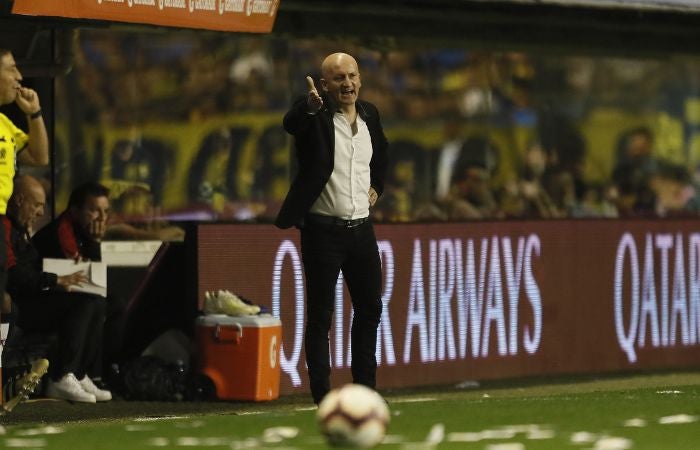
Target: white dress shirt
point(346, 195)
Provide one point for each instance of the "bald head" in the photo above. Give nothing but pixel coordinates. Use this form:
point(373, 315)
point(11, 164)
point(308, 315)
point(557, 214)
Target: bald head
point(341, 79)
point(27, 201)
point(27, 183)
point(336, 60)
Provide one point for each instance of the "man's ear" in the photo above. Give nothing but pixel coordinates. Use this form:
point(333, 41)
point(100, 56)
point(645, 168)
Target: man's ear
point(18, 199)
point(324, 84)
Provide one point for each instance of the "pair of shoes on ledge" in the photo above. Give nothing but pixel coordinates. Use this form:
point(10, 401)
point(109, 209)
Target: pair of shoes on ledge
point(226, 302)
point(72, 389)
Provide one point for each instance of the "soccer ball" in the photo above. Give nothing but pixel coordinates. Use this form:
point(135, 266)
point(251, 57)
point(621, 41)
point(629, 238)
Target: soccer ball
point(353, 416)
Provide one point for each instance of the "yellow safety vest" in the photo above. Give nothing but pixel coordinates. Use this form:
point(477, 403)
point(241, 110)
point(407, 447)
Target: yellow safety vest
point(12, 141)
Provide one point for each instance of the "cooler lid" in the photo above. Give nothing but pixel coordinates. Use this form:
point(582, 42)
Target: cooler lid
point(258, 321)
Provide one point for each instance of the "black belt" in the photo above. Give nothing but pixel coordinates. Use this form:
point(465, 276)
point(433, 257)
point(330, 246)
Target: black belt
point(335, 221)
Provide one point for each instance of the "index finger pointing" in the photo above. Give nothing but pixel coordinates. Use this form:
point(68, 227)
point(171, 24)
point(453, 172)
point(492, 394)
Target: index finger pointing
point(310, 83)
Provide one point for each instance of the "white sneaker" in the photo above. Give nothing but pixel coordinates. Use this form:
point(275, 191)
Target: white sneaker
point(101, 395)
point(232, 305)
point(69, 388)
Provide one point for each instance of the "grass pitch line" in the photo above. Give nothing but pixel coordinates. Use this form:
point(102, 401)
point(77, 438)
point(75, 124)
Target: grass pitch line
point(193, 424)
point(132, 427)
point(306, 408)
point(156, 418)
point(412, 399)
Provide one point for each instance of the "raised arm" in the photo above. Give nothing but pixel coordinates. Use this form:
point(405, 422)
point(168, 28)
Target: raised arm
point(303, 110)
point(37, 151)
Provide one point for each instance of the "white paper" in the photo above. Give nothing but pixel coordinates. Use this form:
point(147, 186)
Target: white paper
point(4, 328)
point(129, 253)
point(95, 272)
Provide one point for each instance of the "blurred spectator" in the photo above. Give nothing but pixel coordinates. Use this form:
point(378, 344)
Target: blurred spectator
point(635, 164)
point(133, 218)
point(535, 201)
point(397, 202)
point(565, 149)
point(142, 160)
point(449, 153)
point(561, 189)
point(636, 148)
point(675, 194)
point(631, 192)
point(471, 191)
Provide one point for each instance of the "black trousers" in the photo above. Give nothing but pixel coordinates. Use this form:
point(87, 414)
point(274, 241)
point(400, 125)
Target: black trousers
point(326, 250)
point(78, 319)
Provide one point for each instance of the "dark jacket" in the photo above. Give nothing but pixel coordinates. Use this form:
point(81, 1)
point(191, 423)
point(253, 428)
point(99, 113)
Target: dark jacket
point(314, 145)
point(62, 238)
point(25, 275)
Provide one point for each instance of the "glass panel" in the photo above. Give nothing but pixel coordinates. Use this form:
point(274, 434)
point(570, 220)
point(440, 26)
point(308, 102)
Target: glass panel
point(187, 126)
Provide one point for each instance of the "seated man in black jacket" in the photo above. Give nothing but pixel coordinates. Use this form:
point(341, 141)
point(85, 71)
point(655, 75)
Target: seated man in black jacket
point(46, 304)
point(76, 234)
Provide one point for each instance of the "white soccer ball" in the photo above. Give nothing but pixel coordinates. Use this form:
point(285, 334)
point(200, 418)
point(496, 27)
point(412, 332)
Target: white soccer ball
point(353, 416)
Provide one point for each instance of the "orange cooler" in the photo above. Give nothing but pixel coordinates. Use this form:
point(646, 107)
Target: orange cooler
point(241, 355)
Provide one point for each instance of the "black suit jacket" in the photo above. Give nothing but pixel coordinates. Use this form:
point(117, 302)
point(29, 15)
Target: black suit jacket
point(314, 145)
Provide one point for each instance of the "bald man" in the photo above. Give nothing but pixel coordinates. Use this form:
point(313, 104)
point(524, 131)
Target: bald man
point(46, 302)
point(342, 159)
point(31, 149)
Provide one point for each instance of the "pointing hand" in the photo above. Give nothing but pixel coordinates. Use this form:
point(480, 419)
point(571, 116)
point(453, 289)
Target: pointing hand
point(313, 101)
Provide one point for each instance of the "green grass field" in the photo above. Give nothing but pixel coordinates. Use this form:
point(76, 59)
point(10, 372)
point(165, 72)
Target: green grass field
point(659, 411)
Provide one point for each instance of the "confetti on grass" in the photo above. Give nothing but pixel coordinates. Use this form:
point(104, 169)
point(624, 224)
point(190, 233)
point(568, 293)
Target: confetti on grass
point(531, 431)
point(40, 430)
point(612, 443)
point(678, 418)
point(24, 443)
point(158, 442)
point(132, 427)
point(436, 434)
point(278, 434)
point(583, 437)
point(635, 423)
point(506, 446)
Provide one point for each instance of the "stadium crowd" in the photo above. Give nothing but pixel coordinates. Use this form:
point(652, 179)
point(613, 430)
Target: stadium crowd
point(492, 135)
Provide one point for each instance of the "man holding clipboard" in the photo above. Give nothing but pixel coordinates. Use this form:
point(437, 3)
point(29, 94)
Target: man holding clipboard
point(47, 302)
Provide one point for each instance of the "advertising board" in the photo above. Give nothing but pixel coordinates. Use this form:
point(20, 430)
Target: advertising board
point(475, 301)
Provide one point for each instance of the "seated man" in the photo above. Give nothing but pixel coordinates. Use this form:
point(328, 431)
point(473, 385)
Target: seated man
point(46, 304)
point(76, 234)
point(78, 231)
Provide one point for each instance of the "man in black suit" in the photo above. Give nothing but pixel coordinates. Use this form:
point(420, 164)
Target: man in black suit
point(342, 154)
